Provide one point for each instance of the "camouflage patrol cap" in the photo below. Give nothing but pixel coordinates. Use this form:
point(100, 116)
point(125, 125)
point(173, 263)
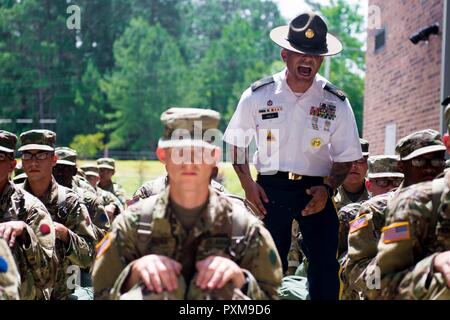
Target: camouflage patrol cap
point(383, 166)
point(8, 141)
point(187, 127)
point(90, 170)
point(106, 163)
point(38, 140)
point(66, 156)
point(419, 143)
point(364, 147)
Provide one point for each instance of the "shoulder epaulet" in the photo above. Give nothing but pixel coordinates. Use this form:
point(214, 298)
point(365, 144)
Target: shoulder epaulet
point(262, 82)
point(336, 91)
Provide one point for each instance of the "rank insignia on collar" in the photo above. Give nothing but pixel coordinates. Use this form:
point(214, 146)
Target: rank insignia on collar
point(316, 143)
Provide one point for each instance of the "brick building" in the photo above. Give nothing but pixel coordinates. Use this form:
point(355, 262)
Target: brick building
point(404, 83)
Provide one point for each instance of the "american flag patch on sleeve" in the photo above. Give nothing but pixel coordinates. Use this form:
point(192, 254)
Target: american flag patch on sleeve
point(396, 232)
point(358, 223)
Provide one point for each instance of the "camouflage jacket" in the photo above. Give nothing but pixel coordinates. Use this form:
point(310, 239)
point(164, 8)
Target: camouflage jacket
point(158, 185)
point(255, 251)
point(116, 190)
point(97, 213)
point(72, 213)
point(9, 276)
point(345, 215)
point(109, 198)
point(417, 229)
point(34, 258)
point(341, 199)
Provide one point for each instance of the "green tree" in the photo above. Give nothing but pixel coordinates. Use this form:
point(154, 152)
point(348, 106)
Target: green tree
point(89, 145)
point(347, 69)
point(149, 76)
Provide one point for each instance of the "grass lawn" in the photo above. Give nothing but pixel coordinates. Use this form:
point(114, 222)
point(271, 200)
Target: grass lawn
point(132, 174)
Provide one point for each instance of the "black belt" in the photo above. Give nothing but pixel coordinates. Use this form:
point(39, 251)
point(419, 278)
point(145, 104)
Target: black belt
point(291, 176)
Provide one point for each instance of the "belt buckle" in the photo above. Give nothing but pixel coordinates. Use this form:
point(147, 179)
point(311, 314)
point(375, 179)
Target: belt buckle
point(294, 176)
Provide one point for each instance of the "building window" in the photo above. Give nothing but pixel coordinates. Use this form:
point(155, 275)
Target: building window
point(380, 39)
point(390, 138)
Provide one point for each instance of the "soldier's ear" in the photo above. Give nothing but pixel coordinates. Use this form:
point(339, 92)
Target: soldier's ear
point(161, 154)
point(369, 185)
point(12, 165)
point(55, 158)
point(283, 54)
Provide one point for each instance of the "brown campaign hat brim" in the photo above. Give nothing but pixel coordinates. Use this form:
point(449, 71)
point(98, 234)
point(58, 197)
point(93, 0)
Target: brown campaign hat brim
point(425, 150)
point(42, 147)
point(279, 35)
point(7, 150)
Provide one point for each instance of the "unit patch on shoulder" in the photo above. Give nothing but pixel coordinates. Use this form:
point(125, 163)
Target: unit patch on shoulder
point(261, 83)
point(358, 223)
point(103, 245)
point(396, 232)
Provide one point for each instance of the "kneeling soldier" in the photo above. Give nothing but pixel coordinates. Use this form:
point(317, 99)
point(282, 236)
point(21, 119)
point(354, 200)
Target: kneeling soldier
point(189, 242)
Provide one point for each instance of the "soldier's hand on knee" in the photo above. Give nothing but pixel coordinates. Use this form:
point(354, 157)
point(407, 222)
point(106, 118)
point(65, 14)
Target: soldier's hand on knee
point(11, 230)
point(62, 232)
point(318, 202)
point(255, 193)
point(442, 264)
point(110, 209)
point(158, 273)
point(215, 271)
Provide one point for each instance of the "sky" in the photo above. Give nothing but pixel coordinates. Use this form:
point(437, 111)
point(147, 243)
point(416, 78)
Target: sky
point(290, 8)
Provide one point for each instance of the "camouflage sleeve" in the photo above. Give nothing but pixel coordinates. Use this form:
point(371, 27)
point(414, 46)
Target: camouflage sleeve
point(362, 247)
point(402, 241)
point(345, 215)
point(120, 194)
point(262, 264)
point(80, 250)
point(9, 276)
point(114, 254)
point(39, 251)
point(114, 200)
point(100, 219)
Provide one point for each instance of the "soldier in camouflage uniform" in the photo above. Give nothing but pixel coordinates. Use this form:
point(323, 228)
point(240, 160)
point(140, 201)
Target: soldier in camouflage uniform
point(64, 172)
point(354, 190)
point(415, 231)
point(384, 175)
point(75, 237)
point(189, 241)
point(9, 276)
point(111, 203)
point(27, 227)
point(107, 169)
